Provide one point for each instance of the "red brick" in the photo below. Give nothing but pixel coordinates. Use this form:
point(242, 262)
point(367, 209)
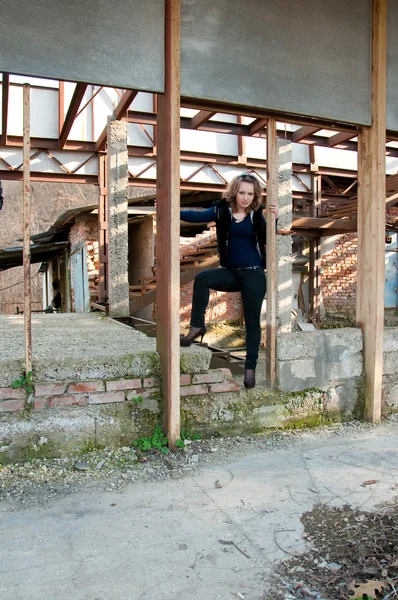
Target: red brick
point(50, 389)
point(123, 384)
point(215, 377)
point(12, 394)
point(150, 382)
point(185, 379)
point(66, 400)
point(84, 387)
point(147, 393)
point(227, 372)
point(40, 402)
point(11, 405)
point(193, 390)
point(226, 386)
point(106, 397)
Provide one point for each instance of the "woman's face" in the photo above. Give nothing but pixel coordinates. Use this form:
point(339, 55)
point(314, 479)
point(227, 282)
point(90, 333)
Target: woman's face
point(244, 195)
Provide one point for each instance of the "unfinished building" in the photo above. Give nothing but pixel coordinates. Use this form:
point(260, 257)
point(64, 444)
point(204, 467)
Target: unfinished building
point(325, 146)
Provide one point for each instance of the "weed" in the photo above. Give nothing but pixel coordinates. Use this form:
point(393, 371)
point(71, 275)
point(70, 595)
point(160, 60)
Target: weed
point(137, 400)
point(25, 381)
point(157, 440)
point(186, 436)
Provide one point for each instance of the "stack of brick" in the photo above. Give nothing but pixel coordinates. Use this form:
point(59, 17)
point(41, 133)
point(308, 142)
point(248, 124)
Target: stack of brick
point(339, 272)
point(339, 276)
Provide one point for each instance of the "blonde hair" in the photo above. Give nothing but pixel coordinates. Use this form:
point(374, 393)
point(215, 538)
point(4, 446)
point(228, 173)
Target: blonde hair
point(232, 189)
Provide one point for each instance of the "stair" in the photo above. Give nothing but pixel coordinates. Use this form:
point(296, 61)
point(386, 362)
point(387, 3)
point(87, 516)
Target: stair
point(191, 262)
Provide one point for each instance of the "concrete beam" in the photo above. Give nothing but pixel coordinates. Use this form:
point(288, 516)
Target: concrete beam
point(284, 242)
point(118, 285)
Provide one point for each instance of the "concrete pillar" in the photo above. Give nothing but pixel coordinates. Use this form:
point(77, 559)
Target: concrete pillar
point(117, 219)
point(284, 242)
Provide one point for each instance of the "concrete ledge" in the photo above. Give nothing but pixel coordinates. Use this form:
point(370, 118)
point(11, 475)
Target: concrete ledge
point(319, 359)
point(390, 363)
point(390, 393)
point(331, 344)
point(195, 359)
point(390, 339)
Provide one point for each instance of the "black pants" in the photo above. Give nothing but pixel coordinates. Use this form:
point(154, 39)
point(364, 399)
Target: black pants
point(252, 285)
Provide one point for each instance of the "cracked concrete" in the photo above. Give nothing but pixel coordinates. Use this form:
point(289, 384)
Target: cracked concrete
point(164, 540)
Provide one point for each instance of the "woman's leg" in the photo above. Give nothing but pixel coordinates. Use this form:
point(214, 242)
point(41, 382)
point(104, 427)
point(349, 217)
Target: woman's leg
point(221, 280)
point(253, 286)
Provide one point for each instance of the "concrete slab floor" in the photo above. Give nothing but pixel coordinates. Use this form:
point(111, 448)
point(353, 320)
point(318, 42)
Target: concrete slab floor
point(70, 345)
point(69, 335)
point(165, 540)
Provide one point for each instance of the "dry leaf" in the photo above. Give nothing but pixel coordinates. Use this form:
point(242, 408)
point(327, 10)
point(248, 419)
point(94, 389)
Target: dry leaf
point(369, 588)
point(370, 482)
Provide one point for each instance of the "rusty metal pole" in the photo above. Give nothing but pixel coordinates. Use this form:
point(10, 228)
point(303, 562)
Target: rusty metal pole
point(168, 225)
point(26, 229)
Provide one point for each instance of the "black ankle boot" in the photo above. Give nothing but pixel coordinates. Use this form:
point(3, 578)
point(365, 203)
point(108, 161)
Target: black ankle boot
point(194, 332)
point(250, 378)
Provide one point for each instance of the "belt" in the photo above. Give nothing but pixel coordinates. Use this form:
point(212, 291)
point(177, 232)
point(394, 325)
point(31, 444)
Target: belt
point(246, 268)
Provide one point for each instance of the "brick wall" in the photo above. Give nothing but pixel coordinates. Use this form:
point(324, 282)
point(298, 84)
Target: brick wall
point(339, 276)
point(223, 306)
point(102, 391)
point(339, 272)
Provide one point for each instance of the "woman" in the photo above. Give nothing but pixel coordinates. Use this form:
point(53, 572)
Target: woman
point(241, 240)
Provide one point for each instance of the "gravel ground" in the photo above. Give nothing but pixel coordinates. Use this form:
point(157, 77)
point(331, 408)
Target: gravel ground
point(41, 481)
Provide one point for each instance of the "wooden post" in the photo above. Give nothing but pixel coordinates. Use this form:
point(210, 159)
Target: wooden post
point(168, 225)
point(272, 194)
point(26, 229)
point(371, 220)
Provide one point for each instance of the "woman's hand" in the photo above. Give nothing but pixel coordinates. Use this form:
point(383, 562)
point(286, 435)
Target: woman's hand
point(274, 209)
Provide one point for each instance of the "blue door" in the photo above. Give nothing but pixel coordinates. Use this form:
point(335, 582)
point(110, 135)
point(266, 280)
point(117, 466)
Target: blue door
point(391, 271)
point(80, 281)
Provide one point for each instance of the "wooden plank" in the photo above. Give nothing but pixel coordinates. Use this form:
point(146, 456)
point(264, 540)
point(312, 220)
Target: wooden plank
point(371, 221)
point(4, 108)
point(168, 225)
point(323, 223)
point(74, 106)
point(26, 230)
point(272, 195)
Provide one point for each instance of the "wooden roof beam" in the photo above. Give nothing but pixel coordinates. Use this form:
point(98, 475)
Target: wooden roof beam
point(257, 125)
point(74, 106)
point(303, 132)
point(340, 138)
point(120, 112)
point(201, 117)
point(4, 109)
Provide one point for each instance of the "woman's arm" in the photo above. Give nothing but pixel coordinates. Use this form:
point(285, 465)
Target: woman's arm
point(199, 216)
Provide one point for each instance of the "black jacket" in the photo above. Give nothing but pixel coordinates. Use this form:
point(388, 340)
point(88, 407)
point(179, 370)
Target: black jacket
point(223, 222)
